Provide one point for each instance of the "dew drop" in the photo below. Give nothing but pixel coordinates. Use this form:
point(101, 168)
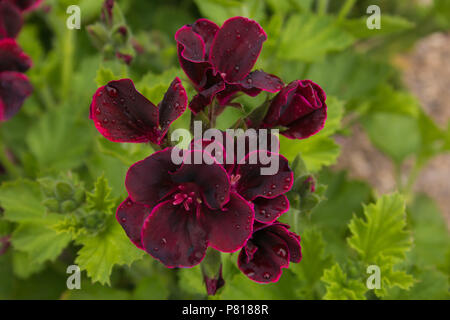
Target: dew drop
point(112, 92)
point(163, 242)
point(155, 249)
point(236, 68)
point(98, 111)
point(266, 275)
point(237, 226)
point(123, 219)
point(274, 186)
point(105, 121)
point(287, 179)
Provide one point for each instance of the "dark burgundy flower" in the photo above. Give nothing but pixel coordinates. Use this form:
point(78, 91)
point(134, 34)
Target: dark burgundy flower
point(26, 5)
point(12, 58)
point(268, 251)
point(265, 192)
point(14, 89)
point(174, 212)
point(122, 114)
point(219, 60)
point(299, 107)
point(10, 20)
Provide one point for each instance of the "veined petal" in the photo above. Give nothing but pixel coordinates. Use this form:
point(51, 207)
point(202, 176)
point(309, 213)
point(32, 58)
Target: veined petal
point(173, 236)
point(211, 84)
point(122, 114)
point(261, 80)
point(12, 58)
point(254, 184)
point(131, 216)
point(269, 210)
point(148, 181)
point(236, 48)
point(229, 228)
point(14, 89)
point(172, 106)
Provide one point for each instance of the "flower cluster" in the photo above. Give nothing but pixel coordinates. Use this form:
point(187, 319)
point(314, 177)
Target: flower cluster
point(14, 85)
point(176, 210)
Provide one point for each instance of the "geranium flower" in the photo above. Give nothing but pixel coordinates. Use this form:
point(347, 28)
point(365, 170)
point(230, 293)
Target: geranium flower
point(12, 58)
point(299, 107)
point(14, 89)
point(174, 212)
point(10, 20)
point(268, 251)
point(122, 114)
point(25, 5)
point(219, 61)
point(265, 192)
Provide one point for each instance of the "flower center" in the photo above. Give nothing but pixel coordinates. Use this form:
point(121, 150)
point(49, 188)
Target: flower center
point(188, 196)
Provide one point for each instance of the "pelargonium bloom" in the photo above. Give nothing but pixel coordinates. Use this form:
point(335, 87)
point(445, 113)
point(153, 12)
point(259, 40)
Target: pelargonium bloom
point(219, 61)
point(268, 251)
point(14, 89)
point(26, 5)
point(267, 193)
point(300, 108)
point(10, 20)
point(12, 58)
point(122, 114)
point(174, 212)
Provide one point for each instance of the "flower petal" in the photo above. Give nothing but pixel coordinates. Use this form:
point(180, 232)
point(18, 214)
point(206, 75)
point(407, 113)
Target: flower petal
point(27, 5)
point(253, 183)
point(258, 79)
point(14, 89)
point(10, 20)
point(278, 102)
point(122, 114)
point(174, 236)
point(292, 241)
point(211, 84)
point(172, 106)
point(307, 126)
point(191, 54)
point(131, 216)
point(148, 181)
point(12, 58)
point(236, 48)
point(207, 31)
point(229, 228)
point(267, 261)
point(269, 210)
point(211, 179)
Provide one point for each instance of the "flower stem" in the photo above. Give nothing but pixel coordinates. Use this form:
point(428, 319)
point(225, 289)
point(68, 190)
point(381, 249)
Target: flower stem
point(6, 162)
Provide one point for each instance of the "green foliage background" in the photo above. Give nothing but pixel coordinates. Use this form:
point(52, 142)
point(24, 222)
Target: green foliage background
point(64, 181)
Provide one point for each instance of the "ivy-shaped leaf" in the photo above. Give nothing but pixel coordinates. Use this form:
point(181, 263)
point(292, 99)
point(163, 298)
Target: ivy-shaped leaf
point(339, 287)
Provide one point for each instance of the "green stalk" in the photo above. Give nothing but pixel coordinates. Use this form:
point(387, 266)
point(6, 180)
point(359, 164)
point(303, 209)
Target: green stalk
point(346, 8)
point(67, 62)
point(10, 167)
point(322, 7)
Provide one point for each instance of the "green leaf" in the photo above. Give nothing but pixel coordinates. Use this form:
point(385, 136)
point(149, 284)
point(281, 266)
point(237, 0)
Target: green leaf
point(389, 25)
point(21, 200)
point(152, 288)
point(58, 140)
point(41, 242)
point(24, 266)
point(127, 153)
point(396, 135)
point(314, 262)
point(316, 151)
point(382, 233)
point(100, 199)
point(104, 75)
point(191, 281)
point(339, 287)
point(100, 253)
point(309, 37)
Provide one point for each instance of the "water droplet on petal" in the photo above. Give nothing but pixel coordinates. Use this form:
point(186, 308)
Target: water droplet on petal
point(98, 111)
point(112, 92)
point(266, 275)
